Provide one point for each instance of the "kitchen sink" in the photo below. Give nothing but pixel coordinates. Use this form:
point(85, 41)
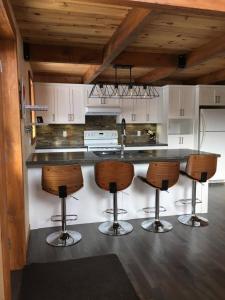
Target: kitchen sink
point(127, 154)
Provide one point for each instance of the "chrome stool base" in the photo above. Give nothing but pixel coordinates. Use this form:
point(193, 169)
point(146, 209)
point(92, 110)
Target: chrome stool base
point(115, 228)
point(153, 225)
point(63, 239)
point(193, 220)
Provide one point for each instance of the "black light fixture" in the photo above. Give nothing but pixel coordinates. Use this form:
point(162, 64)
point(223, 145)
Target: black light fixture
point(123, 90)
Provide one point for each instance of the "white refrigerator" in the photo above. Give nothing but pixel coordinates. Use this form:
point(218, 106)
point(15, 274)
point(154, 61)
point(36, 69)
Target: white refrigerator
point(212, 137)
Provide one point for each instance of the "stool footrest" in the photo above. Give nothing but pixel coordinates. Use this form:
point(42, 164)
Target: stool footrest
point(69, 218)
point(120, 211)
point(151, 209)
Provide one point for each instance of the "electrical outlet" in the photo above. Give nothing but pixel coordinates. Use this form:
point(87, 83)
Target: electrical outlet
point(64, 133)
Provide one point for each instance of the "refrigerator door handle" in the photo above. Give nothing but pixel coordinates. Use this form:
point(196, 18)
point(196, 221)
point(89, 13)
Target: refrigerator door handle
point(203, 129)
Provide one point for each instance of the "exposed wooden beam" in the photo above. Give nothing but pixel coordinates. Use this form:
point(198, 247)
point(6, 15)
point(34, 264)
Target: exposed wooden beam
point(211, 78)
point(203, 6)
point(123, 36)
point(146, 59)
point(156, 74)
point(206, 52)
point(7, 29)
point(56, 78)
point(64, 54)
point(89, 56)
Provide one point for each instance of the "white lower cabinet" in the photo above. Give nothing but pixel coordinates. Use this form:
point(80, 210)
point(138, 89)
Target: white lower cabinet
point(179, 141)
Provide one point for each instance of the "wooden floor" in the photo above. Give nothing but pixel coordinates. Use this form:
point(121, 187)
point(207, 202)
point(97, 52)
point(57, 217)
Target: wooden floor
point(186, 263)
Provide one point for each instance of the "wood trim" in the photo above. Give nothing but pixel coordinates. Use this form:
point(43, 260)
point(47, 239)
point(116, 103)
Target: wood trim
point(7, 29)
point(214, 7)
point(13, 151)
point(5, 287)
point(56, 78)
point(124, 36)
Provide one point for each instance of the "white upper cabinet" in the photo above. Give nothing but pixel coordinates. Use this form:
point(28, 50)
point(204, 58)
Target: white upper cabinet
point(99, 101)
point(181, 100)
point(211, 95)
point(142, 110)
point(66, 103)
point(45, 95)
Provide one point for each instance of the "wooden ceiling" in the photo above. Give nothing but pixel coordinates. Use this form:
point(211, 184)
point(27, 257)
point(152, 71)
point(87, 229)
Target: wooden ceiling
point(79, 41)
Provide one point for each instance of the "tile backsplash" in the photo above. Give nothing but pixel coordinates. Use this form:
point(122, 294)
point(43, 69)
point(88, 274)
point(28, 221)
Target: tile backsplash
point(72, 135)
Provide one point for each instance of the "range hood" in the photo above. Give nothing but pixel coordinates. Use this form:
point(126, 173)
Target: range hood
point(102, 111)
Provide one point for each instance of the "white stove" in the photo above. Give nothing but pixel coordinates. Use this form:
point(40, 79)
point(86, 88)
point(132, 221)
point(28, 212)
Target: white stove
point(101, 140)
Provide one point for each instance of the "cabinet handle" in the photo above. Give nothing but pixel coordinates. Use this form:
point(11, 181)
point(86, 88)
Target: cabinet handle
point(53, 117)
point(133, 117)
point(183, 112)
point(147, 118)
point(217, 99)
point(72, 117)
point(179, 140)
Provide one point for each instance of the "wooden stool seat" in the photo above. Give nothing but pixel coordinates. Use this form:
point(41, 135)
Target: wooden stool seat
point(114, 176)
point(62, 181)
point(199, 168)
point(161, 176)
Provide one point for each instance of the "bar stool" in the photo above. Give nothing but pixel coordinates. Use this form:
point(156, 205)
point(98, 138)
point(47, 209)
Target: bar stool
point(114, 176)
point(161, 176)
point(199, 168)
point(62, 181)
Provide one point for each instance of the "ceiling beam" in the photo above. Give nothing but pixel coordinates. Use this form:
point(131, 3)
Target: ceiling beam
point(56, 78)
point(93, 56)
point(123, 37)
point(206, 52)
point(214, 7)
point(156, 74)
point(211, 78)
point(64, 54)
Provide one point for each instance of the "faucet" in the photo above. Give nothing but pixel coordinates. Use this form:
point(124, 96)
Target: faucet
point(123, 136)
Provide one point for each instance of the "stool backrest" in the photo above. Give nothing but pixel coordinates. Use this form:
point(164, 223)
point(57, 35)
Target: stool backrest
point(163, 175)
point(66, 175)
point(112, 171)
point(201, 167)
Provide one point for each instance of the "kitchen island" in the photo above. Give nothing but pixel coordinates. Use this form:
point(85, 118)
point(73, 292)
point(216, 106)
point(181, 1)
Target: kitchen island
point(92, 201)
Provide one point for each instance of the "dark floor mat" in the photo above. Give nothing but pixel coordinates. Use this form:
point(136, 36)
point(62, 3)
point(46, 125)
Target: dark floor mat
point(92, 278)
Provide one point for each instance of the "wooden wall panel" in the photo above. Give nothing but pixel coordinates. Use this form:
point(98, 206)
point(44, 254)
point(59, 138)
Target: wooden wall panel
point(13, 156)
point(5, 288)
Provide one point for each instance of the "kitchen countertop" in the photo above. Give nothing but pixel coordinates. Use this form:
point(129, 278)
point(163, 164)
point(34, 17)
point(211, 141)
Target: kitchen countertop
point(89, 158)
point(83, 146)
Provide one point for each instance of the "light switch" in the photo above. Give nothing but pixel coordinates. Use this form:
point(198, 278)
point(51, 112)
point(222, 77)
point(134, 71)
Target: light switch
point(64, 133)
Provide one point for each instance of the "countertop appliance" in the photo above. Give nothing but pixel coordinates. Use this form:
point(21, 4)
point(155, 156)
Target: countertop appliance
point(212, 136)
point(101, 140)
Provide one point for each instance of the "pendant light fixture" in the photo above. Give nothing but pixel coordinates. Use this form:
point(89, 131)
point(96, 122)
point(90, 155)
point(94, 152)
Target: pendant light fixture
point(123, 90)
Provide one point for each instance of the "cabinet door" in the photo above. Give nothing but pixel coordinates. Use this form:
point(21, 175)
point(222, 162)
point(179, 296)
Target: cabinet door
point(179, 141)
point(206, 95)
point(45, 95)
point(187, 100)
point(77, 104)
point(100, 101)
point(219, 96)
point(174, 102)
point(155, 111)
point(63, 115)
point(126, 111)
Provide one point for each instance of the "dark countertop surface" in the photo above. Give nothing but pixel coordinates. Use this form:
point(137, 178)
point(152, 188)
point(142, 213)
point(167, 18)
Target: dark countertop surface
point(90, 158)
point(68, 146)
